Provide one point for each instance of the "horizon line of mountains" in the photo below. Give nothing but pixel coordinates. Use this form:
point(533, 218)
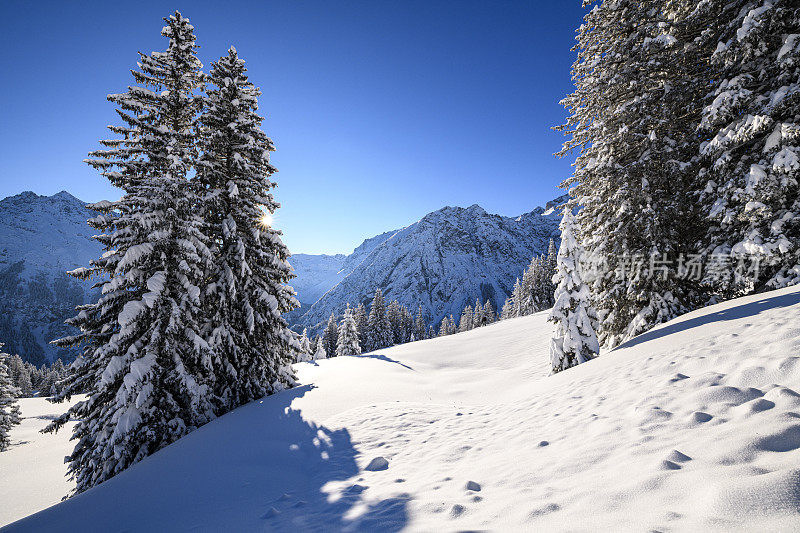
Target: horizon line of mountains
point(442, 262)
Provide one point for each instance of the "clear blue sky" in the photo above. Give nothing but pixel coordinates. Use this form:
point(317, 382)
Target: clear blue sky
point(380, 111)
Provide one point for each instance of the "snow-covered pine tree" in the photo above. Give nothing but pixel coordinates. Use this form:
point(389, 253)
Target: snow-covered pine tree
point(530, 277)
point(362, 322)
point(20, 374)
point(752, 157)
point(330, 336)
point(347, 342)
point(634, 115)
point(319, 352)
point(443, 327)
point(394, 316)
point(380, 331)
point(306, 352)
point(545, 288)
point(477, 314)
point(488, 313)
point(407, 321)
point(9, 410)
point(420, 328)
point(575, 340)
point(507, 310)
point(247, 290)
point(465, 323)
point(149, 369)
point(516, 298)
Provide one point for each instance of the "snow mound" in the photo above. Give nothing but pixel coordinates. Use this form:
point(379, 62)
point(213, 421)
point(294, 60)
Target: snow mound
point(692, 426)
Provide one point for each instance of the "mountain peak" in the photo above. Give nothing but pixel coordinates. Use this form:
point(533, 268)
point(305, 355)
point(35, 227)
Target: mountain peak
point(64, 195)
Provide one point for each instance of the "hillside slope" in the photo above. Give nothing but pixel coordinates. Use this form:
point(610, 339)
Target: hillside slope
point(694, 425)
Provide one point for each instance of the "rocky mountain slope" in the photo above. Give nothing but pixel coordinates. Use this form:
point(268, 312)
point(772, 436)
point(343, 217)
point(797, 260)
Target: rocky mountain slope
point(41, 237)
point(442, 262)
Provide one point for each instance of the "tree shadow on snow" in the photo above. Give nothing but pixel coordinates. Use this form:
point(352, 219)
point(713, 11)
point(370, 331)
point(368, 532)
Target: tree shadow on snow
point(260, 467)
point(384, 358)
point(740, 311)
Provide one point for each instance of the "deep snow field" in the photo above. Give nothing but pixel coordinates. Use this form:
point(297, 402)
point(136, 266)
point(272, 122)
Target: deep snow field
point(692, 426)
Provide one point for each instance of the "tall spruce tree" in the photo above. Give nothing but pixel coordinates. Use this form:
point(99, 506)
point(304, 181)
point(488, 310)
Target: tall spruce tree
point(575, 340)
point(319, 351)
point(9, 410)
point(246, 291)
point(347, 341)
point(634, 115)
point(751, 161)
point(330, 336)
point(420, 328)
point(516, 296)
point(360, 316)
point(488, 313)
point(477, 314)
point(143, 356)
point(465, 322)
point(306, 352)
point(380, 330)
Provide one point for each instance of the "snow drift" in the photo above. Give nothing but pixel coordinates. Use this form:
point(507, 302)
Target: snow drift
point(694, 425)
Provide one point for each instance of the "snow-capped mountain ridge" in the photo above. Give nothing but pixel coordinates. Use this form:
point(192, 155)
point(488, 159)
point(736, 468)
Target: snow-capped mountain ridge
point(443, 261)
point(41, 238)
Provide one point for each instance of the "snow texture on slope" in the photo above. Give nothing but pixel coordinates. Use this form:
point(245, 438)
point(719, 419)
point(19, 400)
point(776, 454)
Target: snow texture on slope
point(692, 426)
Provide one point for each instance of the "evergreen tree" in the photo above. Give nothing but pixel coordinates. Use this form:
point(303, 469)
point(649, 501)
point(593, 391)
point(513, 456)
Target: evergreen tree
point(477, 315)
point(380, 331)
point(420, 328)
point(575, 340)
point(306, 353)
point(362, 322)
point(143, 357)
point(465, 323)
point(516, 297)
point(247, 290)
point(634, 115)
point(752, 158)
point(530, 278)
point(319, 352)
point(395, 317)
point(431, 332)
point(444, 327)
point(407, 324)
point(347, 343)
point(9, 410)
point(488, 313)
point(330, 336)
point(20, 374)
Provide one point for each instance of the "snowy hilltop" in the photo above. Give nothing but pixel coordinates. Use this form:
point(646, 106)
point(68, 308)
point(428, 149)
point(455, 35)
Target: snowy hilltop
point(692, 426)
point(41, 238)
point(448, 259)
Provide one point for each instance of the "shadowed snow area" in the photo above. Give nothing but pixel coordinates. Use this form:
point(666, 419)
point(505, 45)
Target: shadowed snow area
point(694, 425)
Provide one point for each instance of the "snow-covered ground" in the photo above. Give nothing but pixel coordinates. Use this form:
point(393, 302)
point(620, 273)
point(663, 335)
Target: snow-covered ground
point(32, 471)
point(692, 426)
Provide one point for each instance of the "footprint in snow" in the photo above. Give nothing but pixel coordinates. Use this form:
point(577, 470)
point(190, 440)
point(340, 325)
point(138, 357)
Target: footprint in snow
point(457, 510)
point(471, 485)
point(271, 513)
